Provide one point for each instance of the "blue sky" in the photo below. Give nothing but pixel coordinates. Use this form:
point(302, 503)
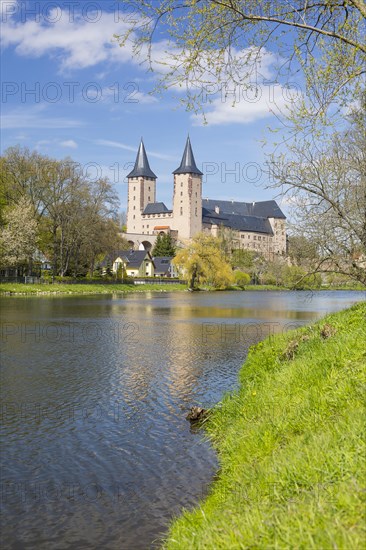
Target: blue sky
point(69, 90)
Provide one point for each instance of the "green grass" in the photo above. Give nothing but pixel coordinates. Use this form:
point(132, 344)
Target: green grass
point(23, 289)
point(291, 447)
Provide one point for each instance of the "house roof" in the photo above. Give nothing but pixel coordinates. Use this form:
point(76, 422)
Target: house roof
point(134, 258)
point(188, 164)
point(156, 208)
point(162, 263)
point(142, 167)
point(263, 209)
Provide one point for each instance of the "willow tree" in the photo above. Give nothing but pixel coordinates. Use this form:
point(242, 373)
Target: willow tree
point(203, 262)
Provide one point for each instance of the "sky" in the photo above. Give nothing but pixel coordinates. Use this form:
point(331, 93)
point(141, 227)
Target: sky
point(69, 90)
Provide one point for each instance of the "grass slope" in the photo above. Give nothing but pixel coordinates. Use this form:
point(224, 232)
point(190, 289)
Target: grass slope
point(291, 446)
point(17, 288)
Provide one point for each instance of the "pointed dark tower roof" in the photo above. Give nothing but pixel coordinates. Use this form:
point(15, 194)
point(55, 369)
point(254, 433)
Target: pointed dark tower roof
point(142, 168)
point(188, 164)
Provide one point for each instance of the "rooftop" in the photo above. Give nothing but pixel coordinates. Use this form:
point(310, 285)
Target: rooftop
point(188, 164)
point(142, 167)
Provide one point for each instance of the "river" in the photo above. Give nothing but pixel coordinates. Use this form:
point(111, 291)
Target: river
point(96, 452)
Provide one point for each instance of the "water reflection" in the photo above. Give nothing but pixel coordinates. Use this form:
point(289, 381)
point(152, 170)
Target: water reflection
point(95, 392)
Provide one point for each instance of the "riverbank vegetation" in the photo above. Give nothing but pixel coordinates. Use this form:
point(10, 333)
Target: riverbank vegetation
point(20, 289)
point(291, 446)
point(54, 213)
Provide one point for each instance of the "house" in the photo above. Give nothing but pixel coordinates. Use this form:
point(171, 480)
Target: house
point(164, 267)
point(136, 263)
point(257, 226)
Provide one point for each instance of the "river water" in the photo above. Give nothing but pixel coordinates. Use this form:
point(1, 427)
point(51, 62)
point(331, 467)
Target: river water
point(97, 453)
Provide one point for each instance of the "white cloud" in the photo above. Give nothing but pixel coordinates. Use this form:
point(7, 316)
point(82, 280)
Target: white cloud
point(69, 143)
point(134, 149)
point(76, 43)
point(79, 43)
point(247, 106)
point(22, 118)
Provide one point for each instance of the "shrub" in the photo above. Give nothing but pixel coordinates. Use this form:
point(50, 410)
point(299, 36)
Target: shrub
point(241, 278)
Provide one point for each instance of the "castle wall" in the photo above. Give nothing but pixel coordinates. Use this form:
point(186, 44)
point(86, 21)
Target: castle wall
point(265, 244)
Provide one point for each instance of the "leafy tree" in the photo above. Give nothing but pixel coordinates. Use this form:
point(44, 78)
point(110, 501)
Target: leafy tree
point(243, 258)
point(203, 262)
point(302, 250)
point(75, 216)
point(241, 279)
point(18, 238)
point(164, 246)
point(297, 278)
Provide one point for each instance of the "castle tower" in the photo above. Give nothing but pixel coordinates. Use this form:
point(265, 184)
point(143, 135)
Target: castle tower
point(141, 190)
point(187, 197)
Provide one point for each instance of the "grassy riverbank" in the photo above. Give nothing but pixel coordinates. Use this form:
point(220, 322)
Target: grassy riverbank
point(291, 446)
point(23, 289)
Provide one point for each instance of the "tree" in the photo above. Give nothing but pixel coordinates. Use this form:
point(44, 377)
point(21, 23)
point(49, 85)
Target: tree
point(227, 43)
point(164, 246)
point(243, 258)
point(241, 279)
point(18, 239)
point(326, 182)
point(203, 262)
point(296, 278)
point(75, 216)
point(302, 251)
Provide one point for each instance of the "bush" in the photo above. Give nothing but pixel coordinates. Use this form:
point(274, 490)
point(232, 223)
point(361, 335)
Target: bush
point(241, 278)
point(295, 277)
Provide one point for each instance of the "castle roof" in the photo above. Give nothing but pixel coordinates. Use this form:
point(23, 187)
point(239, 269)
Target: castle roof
point(263, 209)
point(156, 208)
point(188, 164)
point(142, 168)
point(238, 222)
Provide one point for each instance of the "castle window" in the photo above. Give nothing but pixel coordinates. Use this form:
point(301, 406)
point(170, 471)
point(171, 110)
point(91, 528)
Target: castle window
point(248, 236)
point(134, 188)
point(259, 237)
point(181, 193)
point(196, 211)
point(242, 236)
point(181, 211)
point(134, 218)
point(134, 207)
point(255, 237)
point(181, 184)
point(148, 226)
point(148, 198)
point(149, 188)
point(134, 198)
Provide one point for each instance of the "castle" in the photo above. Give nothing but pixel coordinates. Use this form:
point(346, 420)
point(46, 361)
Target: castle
point(258, 226)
